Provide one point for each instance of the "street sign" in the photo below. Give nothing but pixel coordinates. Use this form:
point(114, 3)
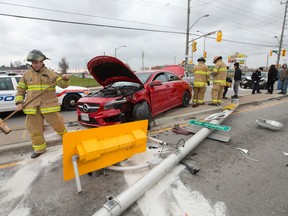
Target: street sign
point(210, 125)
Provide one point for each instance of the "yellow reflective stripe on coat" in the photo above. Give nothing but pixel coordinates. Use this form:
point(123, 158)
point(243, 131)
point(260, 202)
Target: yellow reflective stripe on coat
point(22, 85)
point(50, 109)
point(19, 98)
point(39, 87)
point(200, 84)
point(219, 70)
point(201, 72)
point(220, 81)
point(30, 111)
point(39, 147)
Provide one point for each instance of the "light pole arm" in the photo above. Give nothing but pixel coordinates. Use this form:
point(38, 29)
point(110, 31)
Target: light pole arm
point(205, 35)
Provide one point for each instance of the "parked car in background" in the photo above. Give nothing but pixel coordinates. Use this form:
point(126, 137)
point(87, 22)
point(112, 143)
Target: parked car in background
point(247, 82)
point(67, 97)
point(129, 96)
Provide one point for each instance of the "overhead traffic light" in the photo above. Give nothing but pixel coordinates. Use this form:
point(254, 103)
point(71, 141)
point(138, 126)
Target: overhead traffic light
point(283, 52)
point(270, 53)
point(219, 36)
point(194, 46)
point(205, 54)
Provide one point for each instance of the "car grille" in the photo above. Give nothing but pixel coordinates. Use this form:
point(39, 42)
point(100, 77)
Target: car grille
point(88, 108)
point(91, 120)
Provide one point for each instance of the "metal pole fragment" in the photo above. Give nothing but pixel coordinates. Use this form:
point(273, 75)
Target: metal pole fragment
point(76, 172)
point(135, 191)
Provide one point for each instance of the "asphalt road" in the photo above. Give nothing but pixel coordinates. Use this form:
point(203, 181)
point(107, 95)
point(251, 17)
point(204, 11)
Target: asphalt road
point(229, 183)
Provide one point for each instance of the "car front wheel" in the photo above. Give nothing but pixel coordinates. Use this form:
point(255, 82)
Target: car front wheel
point(70, 102)
point(142, 111)
point(186, 99)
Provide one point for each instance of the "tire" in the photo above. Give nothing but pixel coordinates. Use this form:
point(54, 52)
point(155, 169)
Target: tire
point(186, 99)
point(142, 111)
point(70, 102)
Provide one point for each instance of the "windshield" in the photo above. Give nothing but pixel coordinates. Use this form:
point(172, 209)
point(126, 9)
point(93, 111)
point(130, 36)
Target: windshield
point(143, 77)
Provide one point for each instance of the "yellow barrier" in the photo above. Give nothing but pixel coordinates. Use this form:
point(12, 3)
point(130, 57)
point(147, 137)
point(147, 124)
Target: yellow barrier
point(101, 147)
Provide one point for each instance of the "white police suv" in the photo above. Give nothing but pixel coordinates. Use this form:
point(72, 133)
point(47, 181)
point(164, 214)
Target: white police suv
point(67, 97)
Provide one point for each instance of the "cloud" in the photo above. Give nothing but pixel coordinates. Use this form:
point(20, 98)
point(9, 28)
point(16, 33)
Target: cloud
point(242, 23)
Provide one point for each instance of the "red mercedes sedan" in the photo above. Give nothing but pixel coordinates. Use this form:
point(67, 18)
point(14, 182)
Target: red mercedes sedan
point(129, 96)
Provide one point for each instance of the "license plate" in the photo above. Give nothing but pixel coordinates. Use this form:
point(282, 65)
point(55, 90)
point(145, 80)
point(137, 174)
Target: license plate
point(84, 117)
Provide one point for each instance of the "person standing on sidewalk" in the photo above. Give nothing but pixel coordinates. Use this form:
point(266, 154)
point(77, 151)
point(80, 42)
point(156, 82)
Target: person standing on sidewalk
point(237, 79)
point(219, 81)
point(256, 76)
point(201, 79)
point(272, 77)
point(283, 79)
point(46, 106)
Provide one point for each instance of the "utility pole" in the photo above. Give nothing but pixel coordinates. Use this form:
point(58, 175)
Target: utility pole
point(143, 60)
point(282, 33)
point(187, 36)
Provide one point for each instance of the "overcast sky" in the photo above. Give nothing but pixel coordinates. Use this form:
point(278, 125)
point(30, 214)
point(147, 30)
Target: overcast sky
point(248, 27)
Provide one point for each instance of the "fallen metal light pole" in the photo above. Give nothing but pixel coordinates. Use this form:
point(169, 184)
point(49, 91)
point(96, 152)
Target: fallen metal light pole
point(117, 205)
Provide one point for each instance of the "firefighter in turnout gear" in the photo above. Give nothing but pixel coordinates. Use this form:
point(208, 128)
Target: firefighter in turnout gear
point(45, 106)
point(219, 81)
point(201, 79)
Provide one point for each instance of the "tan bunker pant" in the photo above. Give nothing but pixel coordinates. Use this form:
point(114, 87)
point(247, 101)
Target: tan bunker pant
point(198, 95)
point(217, 91)
point(35, 125)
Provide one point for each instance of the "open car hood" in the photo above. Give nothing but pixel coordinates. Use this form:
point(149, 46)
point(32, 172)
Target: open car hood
point(107, 70)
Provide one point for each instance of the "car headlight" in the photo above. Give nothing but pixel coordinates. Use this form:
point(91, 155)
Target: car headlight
point(114, 104)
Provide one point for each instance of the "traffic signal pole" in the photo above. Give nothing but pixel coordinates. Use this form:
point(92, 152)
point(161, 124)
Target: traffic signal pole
point(282, 33)
point(187, 36)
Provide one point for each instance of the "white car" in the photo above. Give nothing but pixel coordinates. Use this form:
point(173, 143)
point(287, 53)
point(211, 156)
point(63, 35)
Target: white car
point(67, 97)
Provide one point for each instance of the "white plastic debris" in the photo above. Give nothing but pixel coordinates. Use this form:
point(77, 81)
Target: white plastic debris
point(285, 153)
point(269, 124)
point(245, 151)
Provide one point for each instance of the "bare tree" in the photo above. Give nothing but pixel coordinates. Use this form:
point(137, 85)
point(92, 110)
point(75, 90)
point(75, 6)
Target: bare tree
point(17, 64)
point(63, 65)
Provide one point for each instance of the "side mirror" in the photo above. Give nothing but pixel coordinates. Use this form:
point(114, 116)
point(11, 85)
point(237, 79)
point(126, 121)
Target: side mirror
point(156, 83)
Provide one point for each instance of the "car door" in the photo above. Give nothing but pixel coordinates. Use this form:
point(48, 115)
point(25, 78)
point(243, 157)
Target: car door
point(7, 94)
point(175, 89)
point(159, 94)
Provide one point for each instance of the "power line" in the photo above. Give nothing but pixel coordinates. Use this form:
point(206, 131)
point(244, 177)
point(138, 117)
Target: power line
point(82, 14)
point(119, 27)
point(89, 24)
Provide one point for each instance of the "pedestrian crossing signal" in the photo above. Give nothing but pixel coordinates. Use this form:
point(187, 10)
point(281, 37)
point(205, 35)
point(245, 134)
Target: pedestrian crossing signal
point(283, 52)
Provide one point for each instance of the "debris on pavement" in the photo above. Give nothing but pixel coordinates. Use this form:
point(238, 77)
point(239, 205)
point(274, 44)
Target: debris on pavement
point(192, 170)
point(269, 124)
point(244, 152)
point(177, 129)
point(285, 153)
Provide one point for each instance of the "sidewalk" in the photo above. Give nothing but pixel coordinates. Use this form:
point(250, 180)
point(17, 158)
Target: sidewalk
point(164, 120)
